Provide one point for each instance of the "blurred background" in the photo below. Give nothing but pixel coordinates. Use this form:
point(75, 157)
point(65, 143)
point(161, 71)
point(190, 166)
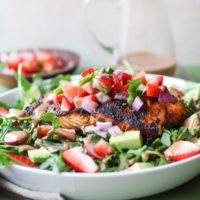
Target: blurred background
point(59, 23)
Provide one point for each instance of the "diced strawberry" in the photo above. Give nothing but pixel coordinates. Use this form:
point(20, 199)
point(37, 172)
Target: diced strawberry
point(124, 88)
point(48, 66)
point(66, 105)
point(23, 160)
point(58, 99)
point(126, 77)
point(152, 90)
point(88, 87)
point(102, 148)
point(43, 55)
point(13, 60)
point(72, 91)
point(116, 83)
point(106, 81)
point(43, 130)
point(67, 134)
point(181, 150)
point(29, 62)
point(141, 75)
point(3, 111)
point(176, 91)
point(79, 161)
point(158, 80)
point(87, 71)
point(89, 147)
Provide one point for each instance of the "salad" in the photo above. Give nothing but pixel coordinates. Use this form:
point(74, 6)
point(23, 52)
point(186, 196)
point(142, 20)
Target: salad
point(32, 61)
point(105, 121)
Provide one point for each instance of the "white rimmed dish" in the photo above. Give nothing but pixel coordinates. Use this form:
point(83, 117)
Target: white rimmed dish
point(118, 185)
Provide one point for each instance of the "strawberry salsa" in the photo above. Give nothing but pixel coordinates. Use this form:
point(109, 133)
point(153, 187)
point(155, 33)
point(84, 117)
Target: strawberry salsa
point(32, 61)
point(41, 141)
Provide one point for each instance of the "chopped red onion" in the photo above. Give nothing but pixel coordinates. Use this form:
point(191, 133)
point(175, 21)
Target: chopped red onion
point(137, 104)
point(114, 130)
point(103, 134)
point(90, 129)
point(142, 88)
point(119, 73)
point(103, 98)
point(89, 105)
point(104, 126)
point(166, 97)
point(121, 96)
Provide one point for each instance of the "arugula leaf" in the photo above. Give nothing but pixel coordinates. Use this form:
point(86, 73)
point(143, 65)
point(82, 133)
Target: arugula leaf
point(55, 163)
point(4, 160)
point(50, 117)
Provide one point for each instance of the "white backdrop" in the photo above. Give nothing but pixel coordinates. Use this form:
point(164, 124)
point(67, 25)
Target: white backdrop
point(58, 23)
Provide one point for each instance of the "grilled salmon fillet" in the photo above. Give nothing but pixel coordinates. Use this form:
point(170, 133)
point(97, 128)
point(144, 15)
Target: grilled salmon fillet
point(150, 119)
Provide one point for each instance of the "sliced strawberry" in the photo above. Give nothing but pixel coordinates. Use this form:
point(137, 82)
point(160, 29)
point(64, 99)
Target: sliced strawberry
point(66, 105)
point(43, 130)
point(126, 77)
point(152, 90)
point(181, 150)
point(3, 111)
point(158, 80)
point(176, 91)
point(106, 81)
point(22, 160)
point(88, 87)
point(87, 71)
point(79, 161)
point(15, 137)
point(117, 85)
point(58, 99)
point(13, 60)
point(102, 148)
point(67, 134)
point(89, 147)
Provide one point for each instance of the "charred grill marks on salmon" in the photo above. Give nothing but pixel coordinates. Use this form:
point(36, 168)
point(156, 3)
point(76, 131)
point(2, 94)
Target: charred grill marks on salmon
point(150, 120)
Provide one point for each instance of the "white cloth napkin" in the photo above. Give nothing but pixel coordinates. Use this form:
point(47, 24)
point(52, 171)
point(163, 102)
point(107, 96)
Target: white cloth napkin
point(28, 193)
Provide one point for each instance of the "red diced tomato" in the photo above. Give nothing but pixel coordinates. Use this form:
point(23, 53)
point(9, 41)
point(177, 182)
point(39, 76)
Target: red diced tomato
point(126, 77)
point(87, 71)
point(66, 105)
point(152, 90)
point(158, 80)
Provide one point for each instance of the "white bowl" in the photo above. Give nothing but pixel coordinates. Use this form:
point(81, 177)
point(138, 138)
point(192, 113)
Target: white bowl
point(117, 185)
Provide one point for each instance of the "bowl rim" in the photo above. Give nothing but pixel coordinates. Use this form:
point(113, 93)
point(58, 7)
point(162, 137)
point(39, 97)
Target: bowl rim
point(103, 174)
